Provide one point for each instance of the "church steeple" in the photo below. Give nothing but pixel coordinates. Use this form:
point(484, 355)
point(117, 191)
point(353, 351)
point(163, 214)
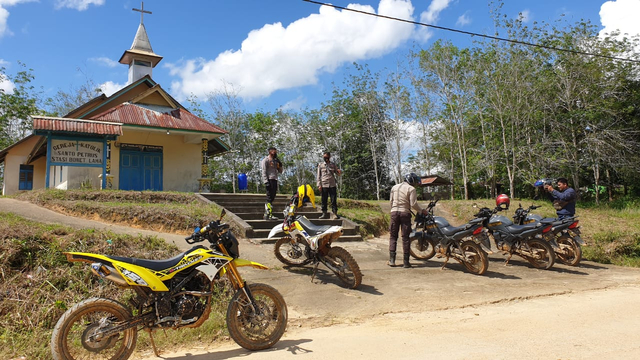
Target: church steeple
point(140, 58)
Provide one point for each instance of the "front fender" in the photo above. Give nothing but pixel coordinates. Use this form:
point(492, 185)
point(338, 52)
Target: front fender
point(243, 262)
point(275, 231)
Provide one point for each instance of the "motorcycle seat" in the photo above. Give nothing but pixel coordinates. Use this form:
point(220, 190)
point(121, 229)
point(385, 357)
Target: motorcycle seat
point(518, 229)
point(548, 221)
point(311, 228)
point(156, 265)
point(450, 230)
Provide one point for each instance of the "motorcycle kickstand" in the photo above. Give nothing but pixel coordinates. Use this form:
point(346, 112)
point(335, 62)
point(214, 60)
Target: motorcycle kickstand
point(445, 263)
point(508, 258)
point(153, 343)
point(315, 270)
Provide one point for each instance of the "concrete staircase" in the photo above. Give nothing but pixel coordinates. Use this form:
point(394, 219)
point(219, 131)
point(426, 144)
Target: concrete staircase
point(247, 211)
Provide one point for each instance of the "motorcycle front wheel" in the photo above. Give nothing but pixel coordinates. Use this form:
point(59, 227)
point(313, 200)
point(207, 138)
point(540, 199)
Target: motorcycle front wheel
point(570, 251)
point(422, 248)
point(348, 269)
point(542, 256)
point(261, 329)
point(292, 254)
point(77, 333)
point(475, 259)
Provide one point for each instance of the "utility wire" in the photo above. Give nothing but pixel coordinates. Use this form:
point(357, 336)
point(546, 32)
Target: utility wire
point(474, 34)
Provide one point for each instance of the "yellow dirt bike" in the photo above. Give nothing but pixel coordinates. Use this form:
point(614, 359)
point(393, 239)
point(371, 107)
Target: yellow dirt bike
point(173, 293)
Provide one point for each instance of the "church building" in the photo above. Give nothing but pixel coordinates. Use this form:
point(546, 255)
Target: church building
point(139, 138)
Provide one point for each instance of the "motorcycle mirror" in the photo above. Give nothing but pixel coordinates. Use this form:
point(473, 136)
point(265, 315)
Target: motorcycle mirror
point(222, 214)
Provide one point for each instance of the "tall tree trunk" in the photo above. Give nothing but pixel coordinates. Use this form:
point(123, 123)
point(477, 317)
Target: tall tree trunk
point(609, 185)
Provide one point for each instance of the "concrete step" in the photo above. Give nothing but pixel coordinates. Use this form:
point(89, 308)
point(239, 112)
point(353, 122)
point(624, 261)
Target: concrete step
point(255, 204)
point(246, 216)
point(269, 224)
point(344, 238)
point(277, 211)
point(234, 197)
point(263, 233)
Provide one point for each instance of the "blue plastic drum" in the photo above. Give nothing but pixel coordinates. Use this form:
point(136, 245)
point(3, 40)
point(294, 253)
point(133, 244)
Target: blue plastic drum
point(242, 182)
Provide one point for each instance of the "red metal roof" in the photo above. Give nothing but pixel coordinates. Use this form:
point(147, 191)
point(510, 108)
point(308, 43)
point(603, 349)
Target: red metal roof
point(133, 114)
point(75, 125)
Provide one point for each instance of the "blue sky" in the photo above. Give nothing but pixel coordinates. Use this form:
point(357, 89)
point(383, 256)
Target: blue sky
point(275, 53)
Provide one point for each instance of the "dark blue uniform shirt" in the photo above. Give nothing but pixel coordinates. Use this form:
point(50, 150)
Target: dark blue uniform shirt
point(568, 195)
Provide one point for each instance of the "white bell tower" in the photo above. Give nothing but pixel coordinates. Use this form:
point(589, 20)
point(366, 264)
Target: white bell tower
point(140, 58)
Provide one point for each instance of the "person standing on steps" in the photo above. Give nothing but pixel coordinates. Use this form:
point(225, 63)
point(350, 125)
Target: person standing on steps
point(403, 198)
point(327, 184)
point(271, 166)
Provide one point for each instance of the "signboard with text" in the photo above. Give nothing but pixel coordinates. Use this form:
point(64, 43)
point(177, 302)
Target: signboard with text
point(79, 152)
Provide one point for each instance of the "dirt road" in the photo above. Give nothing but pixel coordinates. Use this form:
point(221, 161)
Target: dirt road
point(512, 311)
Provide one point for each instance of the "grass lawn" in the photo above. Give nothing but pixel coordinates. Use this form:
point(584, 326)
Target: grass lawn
point(171, 212)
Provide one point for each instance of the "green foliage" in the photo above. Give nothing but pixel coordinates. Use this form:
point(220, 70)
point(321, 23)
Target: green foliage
point(16, 106)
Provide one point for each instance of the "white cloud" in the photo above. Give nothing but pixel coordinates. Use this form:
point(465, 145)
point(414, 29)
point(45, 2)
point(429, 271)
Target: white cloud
point(109, 87)
point(525, 15)
point(463, 20)
point(295, 104)
point(80, 5)
point(5, 84)
point(430, 16)
point(620, 15)
point(105, 61)
point(4, 15)
point(275, 57)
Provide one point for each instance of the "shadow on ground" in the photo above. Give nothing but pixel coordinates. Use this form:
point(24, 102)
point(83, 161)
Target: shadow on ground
point(290, 346)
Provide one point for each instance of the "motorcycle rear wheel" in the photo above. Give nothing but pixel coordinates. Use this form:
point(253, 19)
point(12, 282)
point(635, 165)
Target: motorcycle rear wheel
point(572, 253)
point(72, 336)
point(476, 260)
point(545, 256)
point(257, 331)
point(422, 249)
point(349, 271)
point(292, 254)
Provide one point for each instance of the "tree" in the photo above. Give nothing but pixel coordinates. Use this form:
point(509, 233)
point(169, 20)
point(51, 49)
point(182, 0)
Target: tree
point(17, 106)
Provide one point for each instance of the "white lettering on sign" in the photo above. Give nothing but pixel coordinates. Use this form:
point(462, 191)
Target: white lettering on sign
point(76, 152)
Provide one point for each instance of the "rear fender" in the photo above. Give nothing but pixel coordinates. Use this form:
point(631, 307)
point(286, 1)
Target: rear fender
point(134, 275)
point(579, 240)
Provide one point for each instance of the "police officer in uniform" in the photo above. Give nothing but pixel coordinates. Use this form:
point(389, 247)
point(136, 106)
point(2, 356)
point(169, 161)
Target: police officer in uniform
point(271, 166)
point(326, 181)
point(403, 199)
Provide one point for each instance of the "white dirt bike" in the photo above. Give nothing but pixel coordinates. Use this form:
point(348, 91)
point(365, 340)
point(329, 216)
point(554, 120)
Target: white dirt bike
point(305, 242)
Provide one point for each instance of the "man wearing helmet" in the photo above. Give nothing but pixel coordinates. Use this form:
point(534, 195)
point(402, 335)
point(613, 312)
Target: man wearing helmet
point(403, 199)
point(564, 199)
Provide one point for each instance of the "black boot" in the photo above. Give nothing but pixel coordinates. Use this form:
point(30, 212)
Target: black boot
point(406, 261)
point(392, 259)
point(335, 214)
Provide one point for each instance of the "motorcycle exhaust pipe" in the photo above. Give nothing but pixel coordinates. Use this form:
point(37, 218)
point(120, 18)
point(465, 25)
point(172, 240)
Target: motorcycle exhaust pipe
point(107, 272)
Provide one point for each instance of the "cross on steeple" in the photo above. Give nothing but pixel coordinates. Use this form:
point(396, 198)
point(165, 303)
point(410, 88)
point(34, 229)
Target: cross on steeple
point(142, 11)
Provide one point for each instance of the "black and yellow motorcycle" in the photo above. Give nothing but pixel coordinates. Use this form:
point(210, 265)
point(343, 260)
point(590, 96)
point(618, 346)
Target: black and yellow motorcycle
point(174, 293)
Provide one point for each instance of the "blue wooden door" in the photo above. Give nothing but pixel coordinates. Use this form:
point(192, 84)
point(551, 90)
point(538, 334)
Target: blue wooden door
point(140, 170)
